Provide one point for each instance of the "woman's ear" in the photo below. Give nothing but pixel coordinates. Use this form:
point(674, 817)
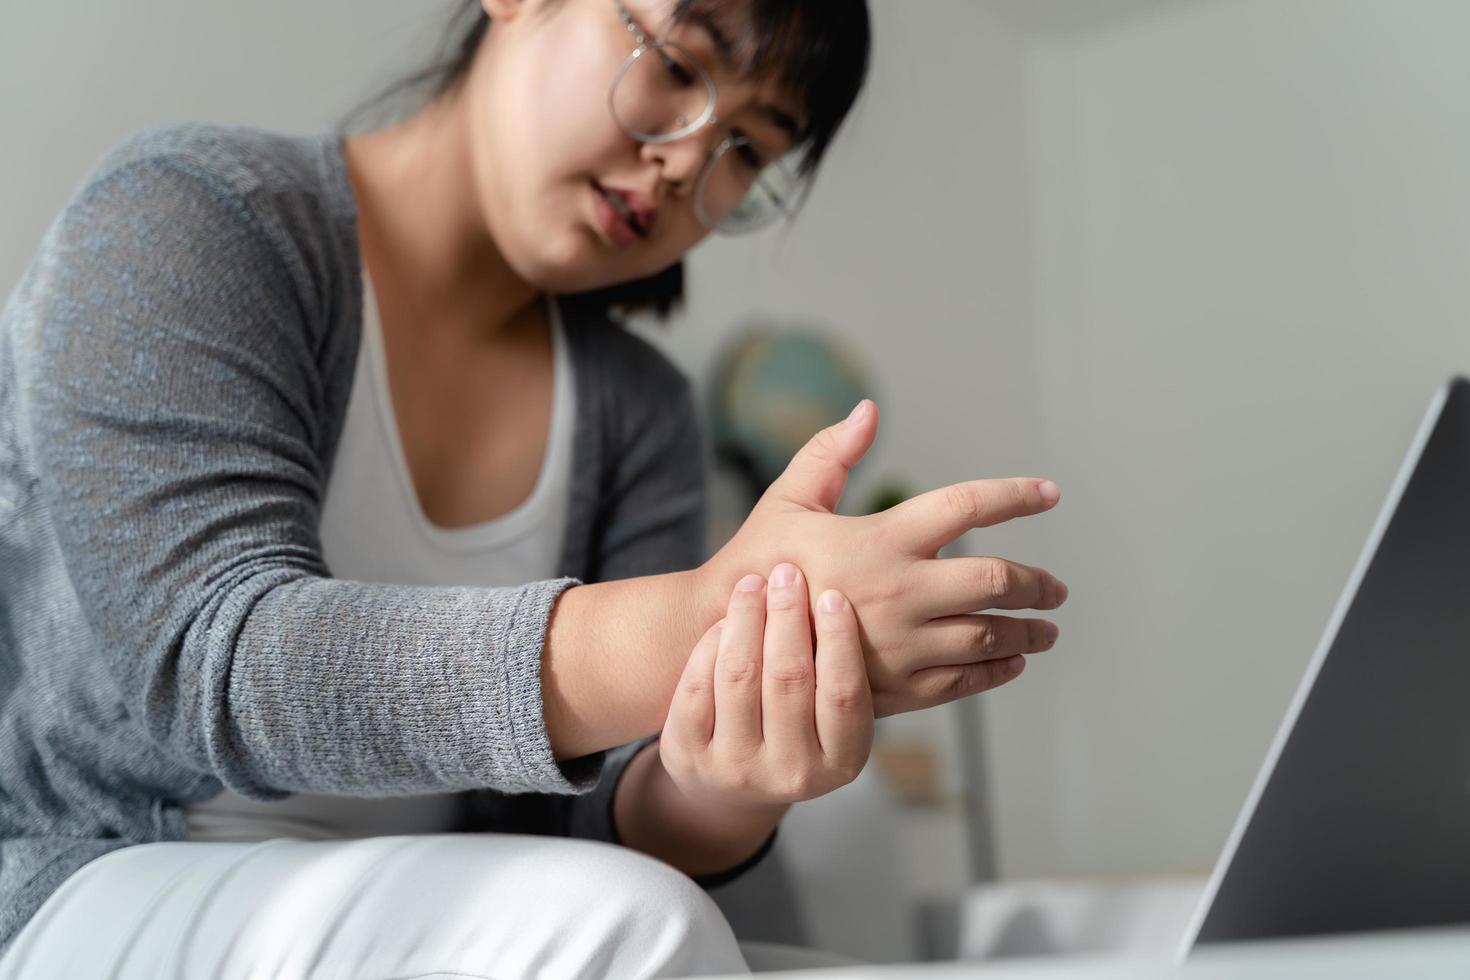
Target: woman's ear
point(503, 9)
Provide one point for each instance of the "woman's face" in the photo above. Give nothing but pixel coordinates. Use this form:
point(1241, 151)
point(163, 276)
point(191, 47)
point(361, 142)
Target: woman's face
point(548, 151)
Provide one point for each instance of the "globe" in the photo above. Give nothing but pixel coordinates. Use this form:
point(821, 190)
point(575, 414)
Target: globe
point(773, 389)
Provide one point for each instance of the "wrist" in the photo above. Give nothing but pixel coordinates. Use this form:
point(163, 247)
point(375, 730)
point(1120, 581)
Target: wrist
point(613, 655)
point(705, 597)
point(712, 584)
point(707, 592)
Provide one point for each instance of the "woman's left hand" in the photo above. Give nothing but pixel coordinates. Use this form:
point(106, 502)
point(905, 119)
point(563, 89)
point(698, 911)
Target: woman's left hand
point(757, 722)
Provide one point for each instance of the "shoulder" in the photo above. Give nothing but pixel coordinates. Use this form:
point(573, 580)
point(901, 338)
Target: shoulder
point(244, 162)
point(285, 196)
point(197, 248)
point(231, 215)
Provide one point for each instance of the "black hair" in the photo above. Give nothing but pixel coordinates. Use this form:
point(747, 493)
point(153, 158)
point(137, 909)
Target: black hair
point(816, 48)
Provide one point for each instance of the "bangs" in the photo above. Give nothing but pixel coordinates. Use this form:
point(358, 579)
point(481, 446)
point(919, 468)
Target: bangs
point(815, 49)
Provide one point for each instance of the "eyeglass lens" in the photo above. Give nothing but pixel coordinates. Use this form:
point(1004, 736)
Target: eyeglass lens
point(662, 94)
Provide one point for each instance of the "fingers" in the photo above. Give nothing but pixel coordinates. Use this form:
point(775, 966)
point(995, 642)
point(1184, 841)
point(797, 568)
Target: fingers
point(738, 666)
point(939, 685)
point(957, 640)
point(691, 719)
point(788, 683)
point(952, 586)
point(844, 702)
point(817, 474)
point(932, 520)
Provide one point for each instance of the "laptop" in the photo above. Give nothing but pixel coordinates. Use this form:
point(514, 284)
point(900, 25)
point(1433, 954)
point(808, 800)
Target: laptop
point(1360, 816)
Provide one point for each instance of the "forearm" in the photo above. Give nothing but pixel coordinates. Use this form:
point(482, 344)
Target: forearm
point(613, 653)
point(654, 816)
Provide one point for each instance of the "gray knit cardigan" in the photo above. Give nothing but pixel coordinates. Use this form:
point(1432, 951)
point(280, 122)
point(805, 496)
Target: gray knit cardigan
point(175, 365)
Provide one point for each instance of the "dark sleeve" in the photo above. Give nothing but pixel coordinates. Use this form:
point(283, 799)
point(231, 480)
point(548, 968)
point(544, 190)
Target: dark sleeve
point(171, 386)
point(653, 518)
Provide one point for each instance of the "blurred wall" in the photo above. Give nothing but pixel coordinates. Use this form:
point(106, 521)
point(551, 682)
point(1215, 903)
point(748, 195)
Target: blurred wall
point(1251, 236)
point(77, 77)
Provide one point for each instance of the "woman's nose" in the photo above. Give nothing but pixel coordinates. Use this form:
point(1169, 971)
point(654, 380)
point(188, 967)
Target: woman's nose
point(680, 161)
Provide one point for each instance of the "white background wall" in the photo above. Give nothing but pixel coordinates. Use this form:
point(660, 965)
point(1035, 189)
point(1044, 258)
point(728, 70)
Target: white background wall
point(1202, 262)
point(1251, 231)
point(76, 77)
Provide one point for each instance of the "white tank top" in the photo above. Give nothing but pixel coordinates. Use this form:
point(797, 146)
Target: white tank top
point(373, 530)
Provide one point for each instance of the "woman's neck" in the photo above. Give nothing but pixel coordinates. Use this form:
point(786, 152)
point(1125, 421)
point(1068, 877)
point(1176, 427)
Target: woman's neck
point(421, 226)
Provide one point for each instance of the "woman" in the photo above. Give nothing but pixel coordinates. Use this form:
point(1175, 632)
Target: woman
point(287, 424)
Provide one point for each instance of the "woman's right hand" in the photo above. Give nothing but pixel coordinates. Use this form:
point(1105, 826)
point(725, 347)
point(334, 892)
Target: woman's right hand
point(921, 642)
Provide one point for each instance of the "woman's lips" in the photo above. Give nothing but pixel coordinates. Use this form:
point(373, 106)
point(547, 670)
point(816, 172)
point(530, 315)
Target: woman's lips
point(618, 229)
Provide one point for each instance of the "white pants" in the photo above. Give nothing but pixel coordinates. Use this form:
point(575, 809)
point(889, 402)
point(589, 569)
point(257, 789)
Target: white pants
point(430, 905)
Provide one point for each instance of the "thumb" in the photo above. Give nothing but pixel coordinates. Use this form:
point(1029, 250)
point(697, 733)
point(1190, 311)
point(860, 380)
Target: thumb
point(817, 474)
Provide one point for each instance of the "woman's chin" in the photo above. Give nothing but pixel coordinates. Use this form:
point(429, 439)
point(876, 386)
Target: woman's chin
point(579, 270)
point(561, 268)
point(564, 279)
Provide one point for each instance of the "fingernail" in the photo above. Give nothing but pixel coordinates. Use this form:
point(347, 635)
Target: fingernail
point(1016, 664)
point(857, 413)
point(832, 601)
point(1062, 592)
point(783, 575)
point(1050, 492)
point(751, 583)
point(1052, 632)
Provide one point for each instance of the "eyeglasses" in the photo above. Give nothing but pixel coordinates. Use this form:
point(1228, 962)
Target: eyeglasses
point(661, 94)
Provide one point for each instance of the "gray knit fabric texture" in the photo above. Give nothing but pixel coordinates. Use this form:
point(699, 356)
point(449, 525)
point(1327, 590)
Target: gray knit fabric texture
point(175, 365)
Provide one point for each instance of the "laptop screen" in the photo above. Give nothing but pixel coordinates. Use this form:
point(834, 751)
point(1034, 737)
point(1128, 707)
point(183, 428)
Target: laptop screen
point(1360, 817)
